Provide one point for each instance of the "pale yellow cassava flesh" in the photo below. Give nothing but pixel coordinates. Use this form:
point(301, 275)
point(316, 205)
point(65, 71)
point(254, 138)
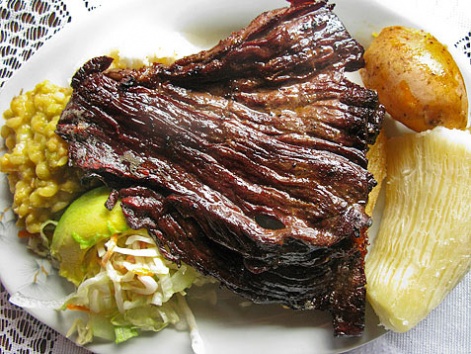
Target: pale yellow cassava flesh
point(422, 249)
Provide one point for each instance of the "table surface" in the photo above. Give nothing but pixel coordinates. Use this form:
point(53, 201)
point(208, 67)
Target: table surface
point(446, 330)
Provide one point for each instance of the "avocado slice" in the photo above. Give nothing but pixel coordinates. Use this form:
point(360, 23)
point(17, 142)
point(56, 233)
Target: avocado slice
point(85, 223)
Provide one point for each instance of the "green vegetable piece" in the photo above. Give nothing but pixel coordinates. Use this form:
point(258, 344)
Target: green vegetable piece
point(124, 333)
point(85, 223)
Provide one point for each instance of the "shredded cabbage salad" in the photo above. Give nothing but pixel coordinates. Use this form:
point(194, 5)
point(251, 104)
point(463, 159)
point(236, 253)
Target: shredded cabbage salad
point(133, 290)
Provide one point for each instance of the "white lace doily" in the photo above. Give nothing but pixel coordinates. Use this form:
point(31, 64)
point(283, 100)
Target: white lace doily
point(25, 26)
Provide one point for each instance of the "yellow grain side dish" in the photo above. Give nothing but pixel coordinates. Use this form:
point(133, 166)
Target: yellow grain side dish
point(36, 158)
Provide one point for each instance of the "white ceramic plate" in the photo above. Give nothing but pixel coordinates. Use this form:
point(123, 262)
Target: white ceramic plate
point(140, 28)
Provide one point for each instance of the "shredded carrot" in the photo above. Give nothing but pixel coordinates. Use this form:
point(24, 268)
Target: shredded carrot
point(109, 252)
point(120, 268)
point(26, 234)
point(77, 308)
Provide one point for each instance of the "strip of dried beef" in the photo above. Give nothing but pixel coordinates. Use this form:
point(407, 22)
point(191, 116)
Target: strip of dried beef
point(246, 161)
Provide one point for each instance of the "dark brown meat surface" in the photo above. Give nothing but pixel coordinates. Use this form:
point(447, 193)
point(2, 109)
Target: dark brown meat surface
point(245, 161)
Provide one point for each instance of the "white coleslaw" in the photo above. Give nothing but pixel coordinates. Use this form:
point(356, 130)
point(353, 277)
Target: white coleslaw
point(136, 289)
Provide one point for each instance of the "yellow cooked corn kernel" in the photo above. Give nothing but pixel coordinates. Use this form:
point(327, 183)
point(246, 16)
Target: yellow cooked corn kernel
point(49, 190)
point(18, 160)
point(14, 122)
point(54, 109)
point(62, 161)
point(42, 171)
point(60, 97)
point(58, 206)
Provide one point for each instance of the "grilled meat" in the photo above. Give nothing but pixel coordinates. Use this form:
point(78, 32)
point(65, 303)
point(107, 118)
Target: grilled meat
point(245, 161)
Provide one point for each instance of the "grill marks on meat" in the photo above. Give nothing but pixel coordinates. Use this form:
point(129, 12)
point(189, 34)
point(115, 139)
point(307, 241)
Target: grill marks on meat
point(246, 161)
point(214, 156)
point(279, 46)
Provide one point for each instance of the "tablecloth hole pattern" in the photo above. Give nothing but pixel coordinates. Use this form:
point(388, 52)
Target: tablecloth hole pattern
point(19, 331)
point(25, 26)
point(464, 45)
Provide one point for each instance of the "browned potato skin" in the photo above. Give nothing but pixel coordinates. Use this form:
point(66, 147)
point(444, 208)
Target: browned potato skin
point(416, 78)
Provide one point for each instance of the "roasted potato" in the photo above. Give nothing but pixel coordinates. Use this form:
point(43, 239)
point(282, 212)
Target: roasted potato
point(416, 78)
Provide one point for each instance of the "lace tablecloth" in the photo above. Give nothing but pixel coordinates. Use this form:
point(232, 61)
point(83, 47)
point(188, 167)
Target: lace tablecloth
point(27, 24)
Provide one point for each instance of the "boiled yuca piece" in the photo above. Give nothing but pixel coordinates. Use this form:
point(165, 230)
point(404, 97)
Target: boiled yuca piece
point(423, 246)
point(376, 156)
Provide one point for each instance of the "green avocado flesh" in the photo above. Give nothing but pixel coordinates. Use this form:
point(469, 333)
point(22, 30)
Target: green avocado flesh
point(85, 223)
